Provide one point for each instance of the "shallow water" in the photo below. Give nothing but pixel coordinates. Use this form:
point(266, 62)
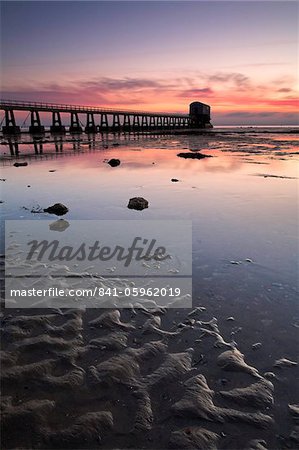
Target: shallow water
point(243, 206)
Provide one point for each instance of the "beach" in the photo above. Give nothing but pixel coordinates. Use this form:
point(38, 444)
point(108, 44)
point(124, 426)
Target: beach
point(221, 374)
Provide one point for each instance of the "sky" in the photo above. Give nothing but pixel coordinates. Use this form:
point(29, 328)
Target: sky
point(240, 57)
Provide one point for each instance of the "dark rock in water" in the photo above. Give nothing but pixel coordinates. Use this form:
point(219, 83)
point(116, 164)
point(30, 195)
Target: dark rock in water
point(59, 225)
point(138, 203)
point(114, 162)
point(174, 180)
point(20, 164)
point(193, 155)
point(59, 209)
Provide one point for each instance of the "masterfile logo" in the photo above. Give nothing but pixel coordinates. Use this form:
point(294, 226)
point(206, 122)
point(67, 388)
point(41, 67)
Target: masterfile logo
point(103, 263)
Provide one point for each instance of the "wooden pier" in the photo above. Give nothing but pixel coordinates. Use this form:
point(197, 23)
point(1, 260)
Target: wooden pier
point(92, 119)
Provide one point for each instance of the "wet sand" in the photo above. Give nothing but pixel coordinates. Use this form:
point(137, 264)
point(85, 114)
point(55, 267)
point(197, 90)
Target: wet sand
point(218, 376)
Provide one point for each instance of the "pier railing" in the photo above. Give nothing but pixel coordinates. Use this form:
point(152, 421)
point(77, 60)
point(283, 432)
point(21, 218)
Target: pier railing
point(62, 107)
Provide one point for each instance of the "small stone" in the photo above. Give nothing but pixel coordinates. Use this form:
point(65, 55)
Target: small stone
point(52, 170)
point(230, 319)
point(20, 164)
point(58, 208)
point(190, 155)
point(138, 203)
point(174, 180)
point(114, 162)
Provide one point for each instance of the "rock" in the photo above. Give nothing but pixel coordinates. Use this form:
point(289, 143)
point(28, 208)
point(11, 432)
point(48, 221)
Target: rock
point(193, 155)
point(174, 180)
point(52, 170)
point(58, 208)
point(138, 203)
point(20, 164)
point(114, 162)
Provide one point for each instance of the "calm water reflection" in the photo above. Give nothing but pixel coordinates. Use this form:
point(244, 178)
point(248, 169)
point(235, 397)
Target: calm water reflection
point(237, 213)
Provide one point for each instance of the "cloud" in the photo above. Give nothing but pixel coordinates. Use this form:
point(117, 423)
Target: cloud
point(101, 91)
point(228, 93)
point(107, 84)
point(284, 90)
point(255, 118)
point(193, 93)
point(238, 79)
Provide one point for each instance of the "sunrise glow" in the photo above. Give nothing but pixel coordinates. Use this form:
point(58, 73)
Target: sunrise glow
point(239, 57)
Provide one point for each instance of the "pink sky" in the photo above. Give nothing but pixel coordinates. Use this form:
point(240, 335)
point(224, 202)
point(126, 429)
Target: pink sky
point(239, 57)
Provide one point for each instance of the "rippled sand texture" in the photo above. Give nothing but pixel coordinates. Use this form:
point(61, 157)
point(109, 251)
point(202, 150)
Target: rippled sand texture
point(115, 382)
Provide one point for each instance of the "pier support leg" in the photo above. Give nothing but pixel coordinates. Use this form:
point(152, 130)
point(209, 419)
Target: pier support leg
point(75, 123)
point(10, 126)
point(159, 122)
point(165, 122)
point(136, 123)
point(90, 124)
point(172, 122)
point(36, 127)
point(144, 123)
point(104, 123)
point(57, 126)
point(152, 123)
point(127, 122)
point(116, 123)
